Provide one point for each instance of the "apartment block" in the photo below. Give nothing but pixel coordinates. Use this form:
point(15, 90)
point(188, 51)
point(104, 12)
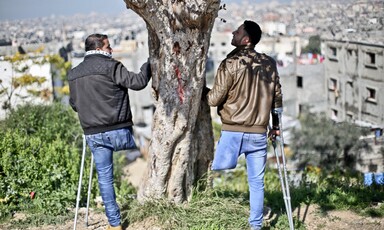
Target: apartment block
point(354, 74)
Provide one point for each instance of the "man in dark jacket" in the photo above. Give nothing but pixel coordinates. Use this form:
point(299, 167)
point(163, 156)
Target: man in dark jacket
point(99, 94)
point(246, 92)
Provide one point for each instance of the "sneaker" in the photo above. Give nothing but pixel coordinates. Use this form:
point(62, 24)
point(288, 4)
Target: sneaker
point(118, 227)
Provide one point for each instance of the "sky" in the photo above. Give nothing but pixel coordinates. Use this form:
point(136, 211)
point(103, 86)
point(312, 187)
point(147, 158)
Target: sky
point(24, 9)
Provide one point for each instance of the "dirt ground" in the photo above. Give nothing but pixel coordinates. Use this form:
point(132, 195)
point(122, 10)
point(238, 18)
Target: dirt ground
point(311, 215)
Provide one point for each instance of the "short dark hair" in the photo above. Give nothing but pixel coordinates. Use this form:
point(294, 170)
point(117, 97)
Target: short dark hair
point(253, 30)
point(94, 41)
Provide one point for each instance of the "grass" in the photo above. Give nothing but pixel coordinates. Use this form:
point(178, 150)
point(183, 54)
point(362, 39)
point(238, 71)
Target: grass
point(210, 209)
point(226, 205)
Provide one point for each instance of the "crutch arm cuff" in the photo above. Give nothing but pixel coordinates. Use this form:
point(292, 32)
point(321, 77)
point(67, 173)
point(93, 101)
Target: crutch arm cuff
point(277, 110)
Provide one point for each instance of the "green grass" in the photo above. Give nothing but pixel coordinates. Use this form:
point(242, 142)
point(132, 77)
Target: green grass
point(211, 209)
point(226, 205)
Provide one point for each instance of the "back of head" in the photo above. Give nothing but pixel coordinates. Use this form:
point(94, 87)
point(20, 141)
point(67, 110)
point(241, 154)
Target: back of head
point(253, 30)
point(94, 41)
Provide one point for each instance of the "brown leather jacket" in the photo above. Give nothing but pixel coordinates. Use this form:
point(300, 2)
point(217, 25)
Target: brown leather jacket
point(246, 90)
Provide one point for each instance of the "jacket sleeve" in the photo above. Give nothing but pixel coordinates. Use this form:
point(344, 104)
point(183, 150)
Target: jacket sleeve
point(131, 80)
point(72, 104)
point(219, 92)
point(72, 94)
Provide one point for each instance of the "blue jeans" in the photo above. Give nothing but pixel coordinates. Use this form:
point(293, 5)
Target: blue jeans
point(102, 146)
point(231, 145)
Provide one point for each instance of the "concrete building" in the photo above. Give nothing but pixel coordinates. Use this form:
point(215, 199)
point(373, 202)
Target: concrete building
point(303, 87)
point(354, 86)
point(354, 74)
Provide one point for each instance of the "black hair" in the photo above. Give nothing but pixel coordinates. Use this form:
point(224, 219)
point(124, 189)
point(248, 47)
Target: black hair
point(95, 41)
point(253, 30)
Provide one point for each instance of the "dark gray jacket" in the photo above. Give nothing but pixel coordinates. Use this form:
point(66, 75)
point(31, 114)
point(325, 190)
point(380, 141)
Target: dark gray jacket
point(99, 92)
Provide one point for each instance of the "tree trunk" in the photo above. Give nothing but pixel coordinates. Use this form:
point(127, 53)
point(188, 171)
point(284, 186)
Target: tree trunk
point(181, 148)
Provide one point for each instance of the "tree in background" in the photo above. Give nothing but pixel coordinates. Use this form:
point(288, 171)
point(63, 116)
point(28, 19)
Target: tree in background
point(23, 85)
point(21, 79)
point(322, 142)
point(313, 45)
point(182, 144)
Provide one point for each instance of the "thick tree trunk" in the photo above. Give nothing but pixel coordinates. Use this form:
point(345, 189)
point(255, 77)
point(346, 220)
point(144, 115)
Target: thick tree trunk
point(181, 148)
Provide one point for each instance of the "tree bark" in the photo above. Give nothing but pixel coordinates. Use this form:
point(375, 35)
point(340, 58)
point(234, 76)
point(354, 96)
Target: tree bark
point(182, 145)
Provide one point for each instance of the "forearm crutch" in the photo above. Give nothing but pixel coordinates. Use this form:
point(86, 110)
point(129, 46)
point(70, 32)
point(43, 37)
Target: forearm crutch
point(89, 190)
point(283, 181)
point(79, 187)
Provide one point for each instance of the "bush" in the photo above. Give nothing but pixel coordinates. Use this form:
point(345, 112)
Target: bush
point(40, 152)
point(39, 167)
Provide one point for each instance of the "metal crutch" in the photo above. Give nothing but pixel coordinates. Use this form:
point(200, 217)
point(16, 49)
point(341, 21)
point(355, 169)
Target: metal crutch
point(89, 190)
point(79, 187)
point(284, 182)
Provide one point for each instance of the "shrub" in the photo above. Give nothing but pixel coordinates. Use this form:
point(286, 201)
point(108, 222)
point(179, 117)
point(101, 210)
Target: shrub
point(39, 167)
point(40, 156)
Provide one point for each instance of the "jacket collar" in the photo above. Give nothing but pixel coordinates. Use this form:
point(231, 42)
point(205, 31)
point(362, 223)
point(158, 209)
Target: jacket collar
point(239, 48)
point(91, 52)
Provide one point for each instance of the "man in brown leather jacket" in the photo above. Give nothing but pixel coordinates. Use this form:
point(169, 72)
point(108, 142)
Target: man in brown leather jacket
point(246, 92)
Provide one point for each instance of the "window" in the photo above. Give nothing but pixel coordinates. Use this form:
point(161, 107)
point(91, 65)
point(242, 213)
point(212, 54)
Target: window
point(371, 94)
point(223, 44)
point(299, 82)
point(351, 54)
point(332, 53)
point(332, 85)
point(301, 107)
point(349, 116)
point(370, 60)
point(334, 114)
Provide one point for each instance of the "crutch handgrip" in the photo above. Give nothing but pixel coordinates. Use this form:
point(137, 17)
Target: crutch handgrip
point(277, 110)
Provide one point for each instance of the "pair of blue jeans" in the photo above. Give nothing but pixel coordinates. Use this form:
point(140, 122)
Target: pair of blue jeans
point(102, 146)
point(254, 146)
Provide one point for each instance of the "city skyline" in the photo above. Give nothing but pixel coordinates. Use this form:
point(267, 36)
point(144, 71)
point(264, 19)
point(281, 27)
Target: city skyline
point(28, 9)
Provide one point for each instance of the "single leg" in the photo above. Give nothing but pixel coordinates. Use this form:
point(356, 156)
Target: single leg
point(254, 146)
point(102, 150)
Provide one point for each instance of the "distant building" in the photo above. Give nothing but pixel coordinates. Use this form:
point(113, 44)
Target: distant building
point(220, 46)
point(354, 73)
point(303, 87)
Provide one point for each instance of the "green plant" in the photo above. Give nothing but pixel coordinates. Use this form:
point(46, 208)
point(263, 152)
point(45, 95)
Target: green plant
point(216, 130)
point(314, 45)
point(39, 159)
point(322, 142)
point(40, 154)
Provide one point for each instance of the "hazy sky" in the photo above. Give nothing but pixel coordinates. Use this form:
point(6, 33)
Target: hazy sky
point(24, 9)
